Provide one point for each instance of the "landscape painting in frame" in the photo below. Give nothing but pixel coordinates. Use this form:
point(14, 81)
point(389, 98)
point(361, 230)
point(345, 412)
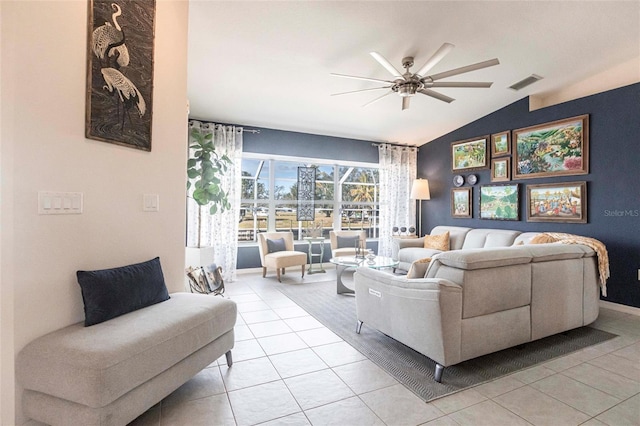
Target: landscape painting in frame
point(499, 202)
point(120, 72)
point(461, 202)
point(500, 144)
point(558, 202)
point(469, 154)
point(500, 170)
point(552, 149)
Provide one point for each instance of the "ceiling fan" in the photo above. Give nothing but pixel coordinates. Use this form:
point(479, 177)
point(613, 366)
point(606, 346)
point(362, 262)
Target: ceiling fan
point(408, 84)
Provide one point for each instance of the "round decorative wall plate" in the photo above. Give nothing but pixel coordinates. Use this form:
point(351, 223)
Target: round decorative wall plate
point(472, 179)
point(458, 180)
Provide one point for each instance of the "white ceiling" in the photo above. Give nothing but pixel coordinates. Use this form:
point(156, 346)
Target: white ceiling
point(267, 63)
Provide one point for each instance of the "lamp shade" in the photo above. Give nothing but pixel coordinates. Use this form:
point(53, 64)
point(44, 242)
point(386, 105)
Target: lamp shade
point(420, 190)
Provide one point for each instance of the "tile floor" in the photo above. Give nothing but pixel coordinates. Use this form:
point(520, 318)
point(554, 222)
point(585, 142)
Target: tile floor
point(290, 370)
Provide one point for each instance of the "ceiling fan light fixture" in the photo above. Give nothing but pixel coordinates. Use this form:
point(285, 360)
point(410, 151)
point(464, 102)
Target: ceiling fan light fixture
point(408, 89)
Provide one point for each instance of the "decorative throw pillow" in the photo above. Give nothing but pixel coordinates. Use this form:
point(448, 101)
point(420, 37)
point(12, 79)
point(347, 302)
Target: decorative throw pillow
point(542, 239)
point(347, 242)
point(437, 242)
point(109, 293)
point(276, 245)
point(419, 268)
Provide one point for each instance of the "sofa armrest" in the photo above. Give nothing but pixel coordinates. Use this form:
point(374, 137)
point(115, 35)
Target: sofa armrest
point(410, 242)
point(401, 281)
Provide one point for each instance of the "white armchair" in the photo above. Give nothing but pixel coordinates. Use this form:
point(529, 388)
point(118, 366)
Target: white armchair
point(276, 251)
point(343, 242)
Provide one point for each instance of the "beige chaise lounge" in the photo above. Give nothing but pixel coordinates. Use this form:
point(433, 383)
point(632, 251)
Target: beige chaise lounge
point(472, 302)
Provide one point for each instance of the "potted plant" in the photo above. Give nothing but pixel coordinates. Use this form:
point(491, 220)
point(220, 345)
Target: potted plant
point(204, 169)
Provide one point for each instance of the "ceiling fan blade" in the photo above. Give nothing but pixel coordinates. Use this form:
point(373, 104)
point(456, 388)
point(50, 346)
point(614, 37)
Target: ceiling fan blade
point(386, 64)
point(361, 90)
point(437, 57)
point(377, 99)
point(436, 95)
point(468, 68)
point(377, 80)
point(483, 84)
point(405, 102)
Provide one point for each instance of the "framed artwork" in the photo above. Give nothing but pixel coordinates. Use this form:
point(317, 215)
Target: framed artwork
point(500, 144)
point(461, 202)
point(501, 169)
point(552, 149)
point(469, 154)
point(500, 202)
point(564, 202)
point(120, 72)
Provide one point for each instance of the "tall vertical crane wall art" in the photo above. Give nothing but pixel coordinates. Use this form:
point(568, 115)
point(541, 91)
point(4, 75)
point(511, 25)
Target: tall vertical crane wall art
point(120, 72)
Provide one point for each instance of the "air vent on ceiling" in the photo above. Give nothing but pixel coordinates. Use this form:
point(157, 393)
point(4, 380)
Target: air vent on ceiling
point(526, 82)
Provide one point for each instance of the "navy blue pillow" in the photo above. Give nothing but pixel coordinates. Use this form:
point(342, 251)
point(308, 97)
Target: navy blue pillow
point(109, 293)
point(347, 242)
point(276, 245)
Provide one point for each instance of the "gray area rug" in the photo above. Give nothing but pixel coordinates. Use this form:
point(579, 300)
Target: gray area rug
point(414, 370)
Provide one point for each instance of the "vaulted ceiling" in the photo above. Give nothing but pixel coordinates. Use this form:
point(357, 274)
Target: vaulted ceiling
point(268, 64)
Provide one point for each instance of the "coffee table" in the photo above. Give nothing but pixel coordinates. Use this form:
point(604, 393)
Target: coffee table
point(344, 263)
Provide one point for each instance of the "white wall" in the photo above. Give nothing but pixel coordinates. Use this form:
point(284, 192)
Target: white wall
point(617, 76)
point(43, 148)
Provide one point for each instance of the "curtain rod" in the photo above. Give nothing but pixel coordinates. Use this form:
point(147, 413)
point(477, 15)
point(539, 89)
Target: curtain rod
point(396, 145)
point(255, 131)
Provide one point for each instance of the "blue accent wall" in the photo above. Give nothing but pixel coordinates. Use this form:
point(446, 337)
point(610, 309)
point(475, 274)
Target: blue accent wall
point(613, 186)
point(296, 144)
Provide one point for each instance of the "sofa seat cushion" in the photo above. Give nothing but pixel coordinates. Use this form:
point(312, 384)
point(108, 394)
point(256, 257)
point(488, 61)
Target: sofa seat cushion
point(345, 251)
point(96, 365)
point(284, 259)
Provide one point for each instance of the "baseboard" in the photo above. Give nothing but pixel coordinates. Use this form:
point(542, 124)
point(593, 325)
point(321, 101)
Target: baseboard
point(620, 308)
point(248, 271)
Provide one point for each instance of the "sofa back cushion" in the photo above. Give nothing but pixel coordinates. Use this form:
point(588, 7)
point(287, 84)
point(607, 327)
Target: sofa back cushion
point(486, 238)
point(456, 235)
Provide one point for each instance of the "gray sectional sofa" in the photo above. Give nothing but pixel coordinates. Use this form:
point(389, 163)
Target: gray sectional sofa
point(484, 296)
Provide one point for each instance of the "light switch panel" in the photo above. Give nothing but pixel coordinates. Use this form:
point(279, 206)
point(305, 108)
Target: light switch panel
point(150, 203)
point(50, 202)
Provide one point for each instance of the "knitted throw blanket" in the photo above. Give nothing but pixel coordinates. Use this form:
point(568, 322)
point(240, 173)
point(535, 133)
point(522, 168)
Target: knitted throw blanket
point(597, 246)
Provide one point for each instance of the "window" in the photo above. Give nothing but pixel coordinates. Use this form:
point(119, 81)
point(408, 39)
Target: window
point(346, 197)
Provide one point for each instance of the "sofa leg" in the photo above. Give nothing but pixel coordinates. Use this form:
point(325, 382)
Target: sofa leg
point(358, 327)
point(264, 272)
point(439, 371)
point(303, 270)
point(229, 359)
point(278, 274)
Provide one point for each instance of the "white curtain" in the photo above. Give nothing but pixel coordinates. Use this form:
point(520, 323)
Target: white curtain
point(397, 172)
point(220, 231)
